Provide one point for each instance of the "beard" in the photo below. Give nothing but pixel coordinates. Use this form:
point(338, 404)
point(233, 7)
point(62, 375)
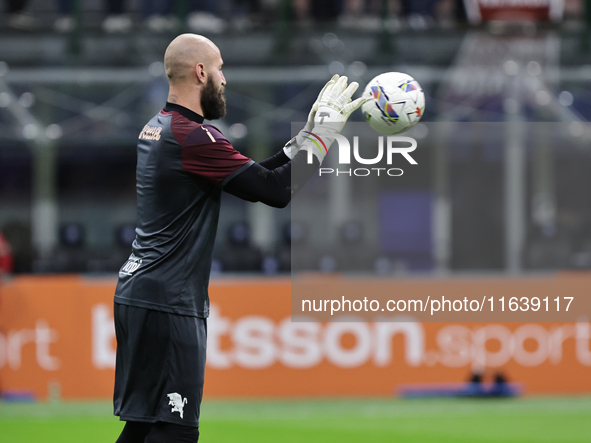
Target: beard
point(213, 102)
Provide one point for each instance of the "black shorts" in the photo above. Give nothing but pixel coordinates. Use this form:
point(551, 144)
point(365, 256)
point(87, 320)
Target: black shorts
point(160, 366)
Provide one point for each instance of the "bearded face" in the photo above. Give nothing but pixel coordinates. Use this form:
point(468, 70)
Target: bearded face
point(213, 102)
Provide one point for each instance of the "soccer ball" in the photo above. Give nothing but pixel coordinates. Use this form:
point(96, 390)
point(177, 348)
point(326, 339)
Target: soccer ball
point(396, 103)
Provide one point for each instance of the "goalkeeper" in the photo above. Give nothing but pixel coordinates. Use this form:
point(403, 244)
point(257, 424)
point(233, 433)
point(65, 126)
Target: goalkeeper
point(183, 165)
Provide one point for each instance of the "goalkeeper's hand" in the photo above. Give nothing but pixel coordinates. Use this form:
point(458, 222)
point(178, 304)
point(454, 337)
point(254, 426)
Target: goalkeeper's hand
point(293, 146)
point(334, 108)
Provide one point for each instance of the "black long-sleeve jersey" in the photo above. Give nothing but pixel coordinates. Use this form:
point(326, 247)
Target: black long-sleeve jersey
point(182, 168)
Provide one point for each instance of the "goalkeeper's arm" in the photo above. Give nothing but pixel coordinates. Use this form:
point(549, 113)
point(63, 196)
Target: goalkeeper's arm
point(275, 180)
point(274, 187)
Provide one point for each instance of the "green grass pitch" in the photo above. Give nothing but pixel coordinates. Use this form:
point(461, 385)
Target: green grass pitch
point(531, 419)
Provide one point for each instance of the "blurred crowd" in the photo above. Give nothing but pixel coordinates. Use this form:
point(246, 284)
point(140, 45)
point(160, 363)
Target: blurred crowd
point(567, 246)
point(216, 16)
point(6, 258)
point(236, 252)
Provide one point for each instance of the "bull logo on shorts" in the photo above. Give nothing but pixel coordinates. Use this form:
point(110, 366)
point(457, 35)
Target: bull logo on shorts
point(177, 402)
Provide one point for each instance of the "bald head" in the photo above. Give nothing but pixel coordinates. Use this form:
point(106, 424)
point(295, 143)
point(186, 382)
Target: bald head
point(184, 53)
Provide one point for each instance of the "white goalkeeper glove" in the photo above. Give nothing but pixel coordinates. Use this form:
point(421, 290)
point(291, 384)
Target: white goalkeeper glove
point(334, 109)
point(292, 147)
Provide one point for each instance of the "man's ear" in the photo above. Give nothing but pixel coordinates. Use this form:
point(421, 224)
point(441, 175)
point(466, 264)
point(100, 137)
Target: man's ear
point(200, 73)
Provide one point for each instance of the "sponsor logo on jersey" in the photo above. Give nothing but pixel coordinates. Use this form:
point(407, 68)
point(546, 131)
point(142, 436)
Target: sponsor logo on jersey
point(151, 132)
point(177, 402)
point(131, 265)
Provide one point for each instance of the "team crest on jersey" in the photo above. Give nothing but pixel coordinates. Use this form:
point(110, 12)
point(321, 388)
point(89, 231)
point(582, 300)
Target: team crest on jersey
point(177, 402)
point(151, 132)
